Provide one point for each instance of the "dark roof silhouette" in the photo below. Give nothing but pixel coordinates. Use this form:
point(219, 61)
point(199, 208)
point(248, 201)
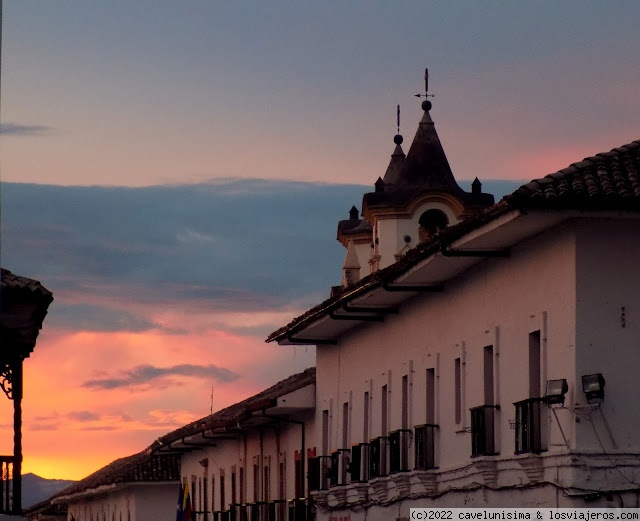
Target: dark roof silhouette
point(141, 467)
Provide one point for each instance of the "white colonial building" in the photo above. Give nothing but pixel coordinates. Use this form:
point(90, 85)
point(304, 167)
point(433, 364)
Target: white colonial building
point(475, 355)
point(248, 461)
point(463, 360)
point(143, 486)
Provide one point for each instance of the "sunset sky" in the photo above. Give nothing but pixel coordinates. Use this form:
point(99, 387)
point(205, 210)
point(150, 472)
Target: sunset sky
point(174, 172)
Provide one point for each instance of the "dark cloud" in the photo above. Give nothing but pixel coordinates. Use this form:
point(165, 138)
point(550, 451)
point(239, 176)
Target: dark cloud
point(83, 416)
point(143, 374)
point(17, 129)
point(99, 318)
point(233, 245)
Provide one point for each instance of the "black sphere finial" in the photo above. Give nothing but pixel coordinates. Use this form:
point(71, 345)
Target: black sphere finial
point(398, 139)
point(426, 105)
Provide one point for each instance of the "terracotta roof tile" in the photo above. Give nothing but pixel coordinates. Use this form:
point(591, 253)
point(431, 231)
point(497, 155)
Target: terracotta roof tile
point(238, 411)
point(136, 468)
point(608, 180)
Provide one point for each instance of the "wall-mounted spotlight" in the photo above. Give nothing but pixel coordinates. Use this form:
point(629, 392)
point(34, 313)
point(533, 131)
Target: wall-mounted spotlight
point(593, 387)
point(555, 392)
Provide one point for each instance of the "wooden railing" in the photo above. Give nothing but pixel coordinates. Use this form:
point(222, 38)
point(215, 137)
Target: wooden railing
point(8, 505)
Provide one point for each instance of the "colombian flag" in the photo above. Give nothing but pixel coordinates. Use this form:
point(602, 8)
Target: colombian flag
point(183, 507)
point(186, 503)
point(179, 515)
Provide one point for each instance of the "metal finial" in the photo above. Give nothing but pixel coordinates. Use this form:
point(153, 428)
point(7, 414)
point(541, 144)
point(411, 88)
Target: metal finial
point(426, 87)
point(397, 139)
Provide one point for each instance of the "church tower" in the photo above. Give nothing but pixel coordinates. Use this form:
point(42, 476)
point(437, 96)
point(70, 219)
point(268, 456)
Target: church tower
point(417, 197)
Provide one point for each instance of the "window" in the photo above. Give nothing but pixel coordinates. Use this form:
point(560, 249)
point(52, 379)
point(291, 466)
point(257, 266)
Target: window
point(365, 435)
point(425, 446)
point(282, 472)
point(256, 482)
point(339, 467)
point(488, 375)
point(482, 430)
point(378, 454)
point(405, 401)
point(213, 493)
point(325, 432)
point(483, 417)
point(298, 478)
point(223, 502)
point(233, 486)
point(534, 364)
point(530, 421)
point(205, 489)
point(241, 485)
point(430, 388)
point(345, 425)
point(399, 450)
point(457, 382)
point(432, 221)
point(529, 425)
point(267, 480)
point(194, 495)
point(384, 409)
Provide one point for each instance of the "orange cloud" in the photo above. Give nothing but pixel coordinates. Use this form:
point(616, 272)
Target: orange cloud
point(71, 429)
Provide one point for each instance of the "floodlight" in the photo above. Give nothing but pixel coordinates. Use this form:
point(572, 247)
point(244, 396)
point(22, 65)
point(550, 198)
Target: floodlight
point(593, 387)
point(556, 389)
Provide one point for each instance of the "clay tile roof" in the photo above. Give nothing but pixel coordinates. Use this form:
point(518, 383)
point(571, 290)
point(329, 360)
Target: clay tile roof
point(136, 468)
point(609, 180)
point(231, 415)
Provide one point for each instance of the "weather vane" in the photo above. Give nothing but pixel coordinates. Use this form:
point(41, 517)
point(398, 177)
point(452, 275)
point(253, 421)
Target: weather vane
point(426, 87)
point(398, 119)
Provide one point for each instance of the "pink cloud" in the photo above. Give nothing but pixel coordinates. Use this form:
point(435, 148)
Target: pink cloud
point(70, 430)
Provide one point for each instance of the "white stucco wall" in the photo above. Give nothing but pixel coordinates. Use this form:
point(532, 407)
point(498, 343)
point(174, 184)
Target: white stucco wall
point(267, 446)
point(576, 284)
point(498, 304)
point(608, 333)
point(131, 502)
point(391, 231)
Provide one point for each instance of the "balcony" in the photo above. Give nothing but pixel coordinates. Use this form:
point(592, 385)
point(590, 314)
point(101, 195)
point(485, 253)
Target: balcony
point(399, 450)
point(319, 472)
point(425, 446)
point(359, 467)
point(483, 430)
point(529, 426)
point(279, 510)
point(339, 467)
point(378, 457)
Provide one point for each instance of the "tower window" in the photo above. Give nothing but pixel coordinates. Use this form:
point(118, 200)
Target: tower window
point(431, 222)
